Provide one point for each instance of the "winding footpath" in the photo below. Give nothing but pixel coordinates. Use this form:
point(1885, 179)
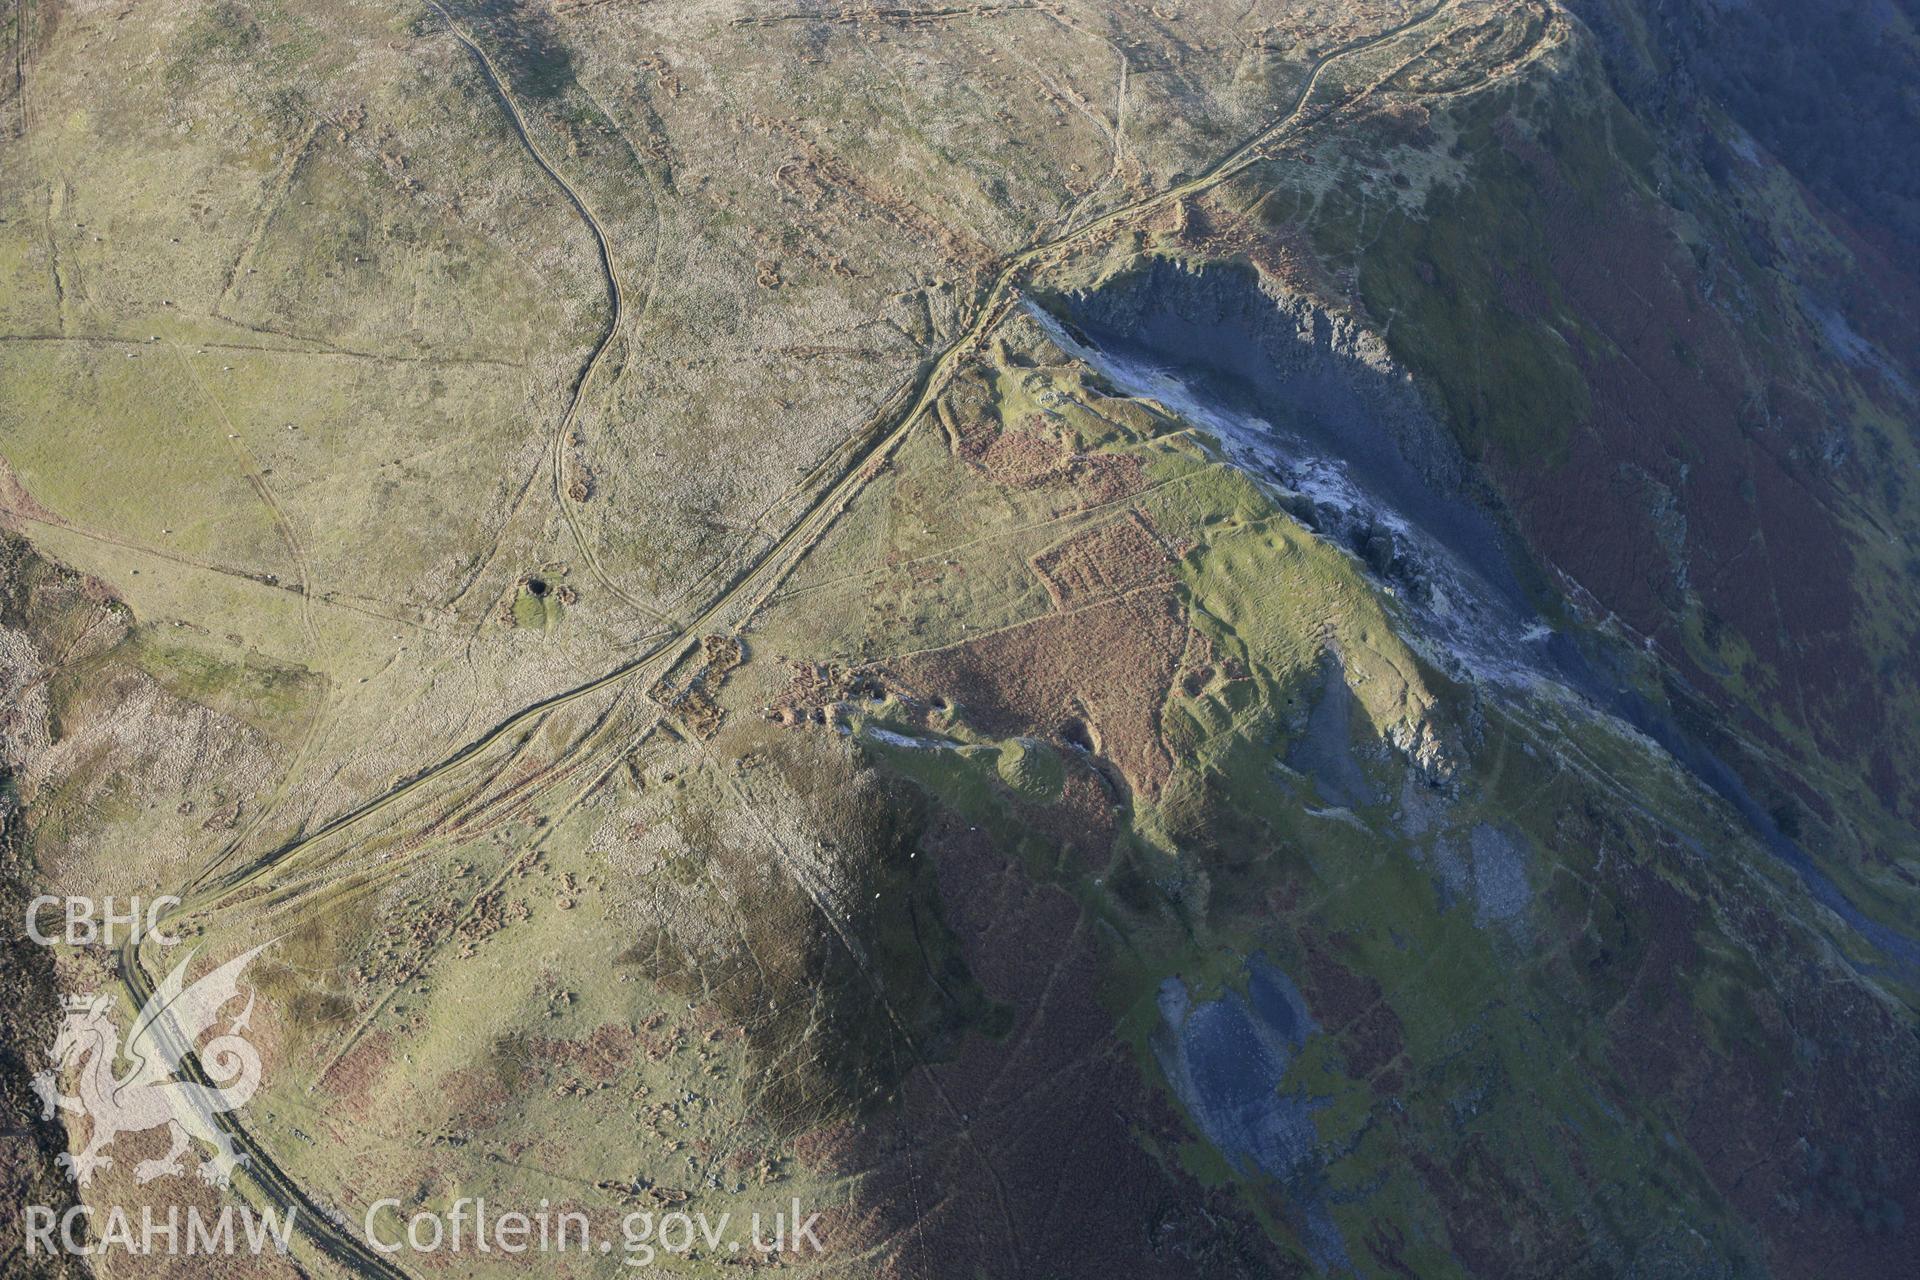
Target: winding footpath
point(616, 298)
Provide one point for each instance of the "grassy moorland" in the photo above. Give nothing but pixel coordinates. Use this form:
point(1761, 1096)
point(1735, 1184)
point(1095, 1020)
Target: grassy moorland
point(558, 517)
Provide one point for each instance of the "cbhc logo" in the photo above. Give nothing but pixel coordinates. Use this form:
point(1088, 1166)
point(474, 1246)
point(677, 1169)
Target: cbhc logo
point(86, 922)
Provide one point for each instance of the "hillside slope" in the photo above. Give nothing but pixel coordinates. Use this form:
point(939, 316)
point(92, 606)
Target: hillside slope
point(1095, 639)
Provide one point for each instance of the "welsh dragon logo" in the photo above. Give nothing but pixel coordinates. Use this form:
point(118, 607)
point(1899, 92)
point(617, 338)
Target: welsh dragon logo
point(148, 1095)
